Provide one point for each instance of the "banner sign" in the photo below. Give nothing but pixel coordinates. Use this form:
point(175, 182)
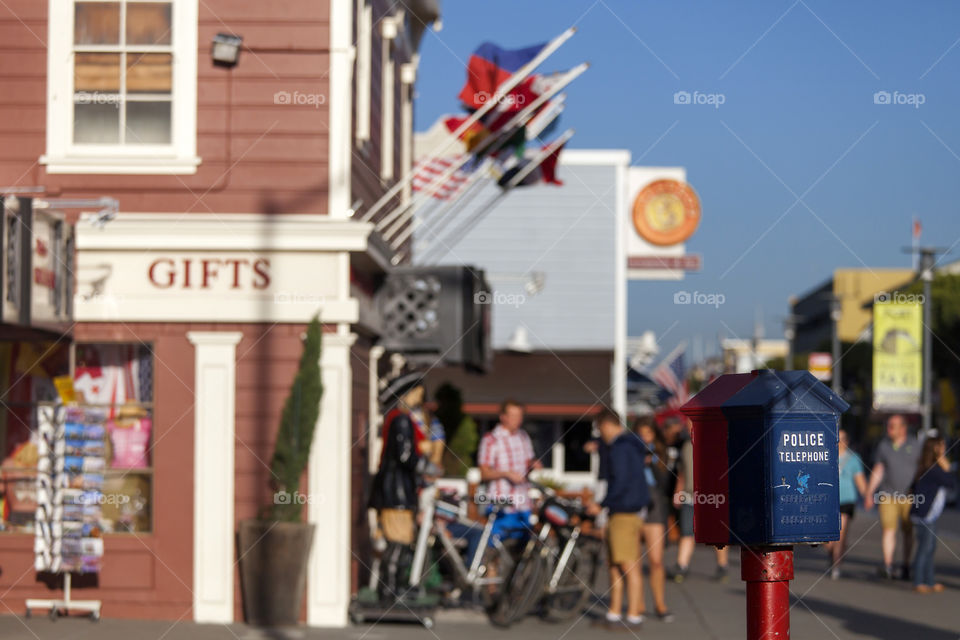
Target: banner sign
point(897, 356)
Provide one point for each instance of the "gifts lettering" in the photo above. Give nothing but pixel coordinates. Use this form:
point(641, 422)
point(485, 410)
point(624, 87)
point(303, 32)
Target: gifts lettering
point(206, 273)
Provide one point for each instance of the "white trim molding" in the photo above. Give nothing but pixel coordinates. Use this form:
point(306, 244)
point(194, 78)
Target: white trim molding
point(226, 231)
point(340, 108)
point(214, 413)
point(330, 493)
point(178, 157)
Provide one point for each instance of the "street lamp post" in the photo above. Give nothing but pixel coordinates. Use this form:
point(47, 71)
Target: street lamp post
point(927, 262)
point(836, 312)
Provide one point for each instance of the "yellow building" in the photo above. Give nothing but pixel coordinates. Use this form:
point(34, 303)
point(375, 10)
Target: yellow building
point(857, 287)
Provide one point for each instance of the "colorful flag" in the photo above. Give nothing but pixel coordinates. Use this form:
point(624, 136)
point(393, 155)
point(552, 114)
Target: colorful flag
point(917, 228)
point(545, 169)
point(489, 66)
point(437, 150)
point(671, 374)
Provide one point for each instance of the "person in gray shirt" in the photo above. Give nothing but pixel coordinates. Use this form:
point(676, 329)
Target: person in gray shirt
point(895, 465)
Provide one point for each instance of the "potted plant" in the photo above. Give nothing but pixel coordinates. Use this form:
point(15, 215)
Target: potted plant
point(274, 548)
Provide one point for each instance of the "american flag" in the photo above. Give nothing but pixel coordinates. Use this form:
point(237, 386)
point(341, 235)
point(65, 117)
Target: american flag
point(671, 374)
point(429, 170)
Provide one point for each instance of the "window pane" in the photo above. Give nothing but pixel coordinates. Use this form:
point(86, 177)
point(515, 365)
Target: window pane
point(148, 23)
point(96, 123)
point(97, 23)
point(97, 72)
point(148, 122)
point(575, 435)
point(126, 504)
point(149, 72)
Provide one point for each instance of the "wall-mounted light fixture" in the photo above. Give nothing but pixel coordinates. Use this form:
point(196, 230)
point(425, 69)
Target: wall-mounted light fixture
point(226, 49)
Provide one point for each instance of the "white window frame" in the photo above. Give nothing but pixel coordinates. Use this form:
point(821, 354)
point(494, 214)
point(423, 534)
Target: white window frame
point(364, 70)
point(64, 156)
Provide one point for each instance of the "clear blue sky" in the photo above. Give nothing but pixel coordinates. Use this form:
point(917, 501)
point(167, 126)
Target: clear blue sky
point(799, 120)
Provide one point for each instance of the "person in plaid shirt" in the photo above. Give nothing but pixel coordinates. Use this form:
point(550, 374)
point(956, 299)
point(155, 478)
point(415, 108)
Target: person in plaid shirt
point(506, 456)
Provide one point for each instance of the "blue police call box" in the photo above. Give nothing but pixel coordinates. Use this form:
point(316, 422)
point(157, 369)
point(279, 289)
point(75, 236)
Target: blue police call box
point(782, 460)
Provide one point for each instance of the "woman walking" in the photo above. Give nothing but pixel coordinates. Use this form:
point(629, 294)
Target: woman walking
point(930, 487)
point(654, 530)
point(853, 485)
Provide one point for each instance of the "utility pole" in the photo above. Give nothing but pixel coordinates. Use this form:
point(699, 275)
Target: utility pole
point(836, 312)
point(790, 332)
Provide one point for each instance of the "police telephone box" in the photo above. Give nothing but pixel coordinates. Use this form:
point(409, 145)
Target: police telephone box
point(765, 459)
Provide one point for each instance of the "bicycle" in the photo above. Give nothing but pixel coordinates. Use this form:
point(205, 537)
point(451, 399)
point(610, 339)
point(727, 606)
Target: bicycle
point(557, 568)
point(492, 560)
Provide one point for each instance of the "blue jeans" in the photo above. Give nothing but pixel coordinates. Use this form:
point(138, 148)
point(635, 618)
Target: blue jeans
point(926, 537)
point(507, 526)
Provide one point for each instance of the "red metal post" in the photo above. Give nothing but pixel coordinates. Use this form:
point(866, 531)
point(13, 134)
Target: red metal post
point(767, 572)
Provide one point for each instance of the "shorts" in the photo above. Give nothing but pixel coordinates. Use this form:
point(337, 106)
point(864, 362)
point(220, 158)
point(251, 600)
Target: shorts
point(848, 509)
point(623, 538)
point(659, 508)
point(894, 513)
point(686, 520)
point(397, 525)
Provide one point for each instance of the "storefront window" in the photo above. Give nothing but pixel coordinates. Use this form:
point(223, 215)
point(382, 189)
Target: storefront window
point(117, 379)
point(27, 372)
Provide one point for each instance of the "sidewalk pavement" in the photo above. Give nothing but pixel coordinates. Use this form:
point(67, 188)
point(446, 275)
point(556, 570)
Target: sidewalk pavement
point(858, 605)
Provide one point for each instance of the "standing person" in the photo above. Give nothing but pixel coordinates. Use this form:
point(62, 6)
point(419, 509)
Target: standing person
point(853, 485)
point(683, 497)
point(394, 490)
point(506, 457)
point(626, 500)
point(930, 487)
point(894, 467)
point(659, 482)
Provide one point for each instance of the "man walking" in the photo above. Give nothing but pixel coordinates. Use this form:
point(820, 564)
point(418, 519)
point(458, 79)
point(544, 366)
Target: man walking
point(894, 467)
point(626, 500)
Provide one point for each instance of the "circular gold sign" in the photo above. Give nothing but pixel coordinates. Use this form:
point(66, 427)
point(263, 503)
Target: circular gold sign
point(666, 212)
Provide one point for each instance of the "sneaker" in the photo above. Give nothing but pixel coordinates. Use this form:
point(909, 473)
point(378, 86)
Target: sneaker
point(922, 588)
point(885, 572)
point(633, 624)
point(721, 575)
point(666, 616)
point(678, 573)
point(835, 573)
point(938, 588)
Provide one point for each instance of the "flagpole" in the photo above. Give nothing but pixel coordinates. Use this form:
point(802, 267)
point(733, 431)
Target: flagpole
point(488, 145)
point(519, 76)
point(916, 245)
point(535, 127)
point(535, 162)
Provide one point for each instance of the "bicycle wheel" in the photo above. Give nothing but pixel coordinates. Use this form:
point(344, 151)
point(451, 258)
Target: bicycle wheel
point(495, 568)
point(575, 587)
point(522, 590)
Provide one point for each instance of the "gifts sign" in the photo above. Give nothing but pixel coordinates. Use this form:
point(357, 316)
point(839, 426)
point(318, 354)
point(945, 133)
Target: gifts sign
point(70, 469)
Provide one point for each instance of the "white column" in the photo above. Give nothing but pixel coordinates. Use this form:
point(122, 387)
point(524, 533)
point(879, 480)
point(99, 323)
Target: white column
point(619, 374)
point(328, 473)
point(340, 107)
point(213, 473)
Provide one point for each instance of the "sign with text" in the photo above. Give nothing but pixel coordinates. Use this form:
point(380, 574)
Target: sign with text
point(650, 208)
point(897, 356)
point(225, 286)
